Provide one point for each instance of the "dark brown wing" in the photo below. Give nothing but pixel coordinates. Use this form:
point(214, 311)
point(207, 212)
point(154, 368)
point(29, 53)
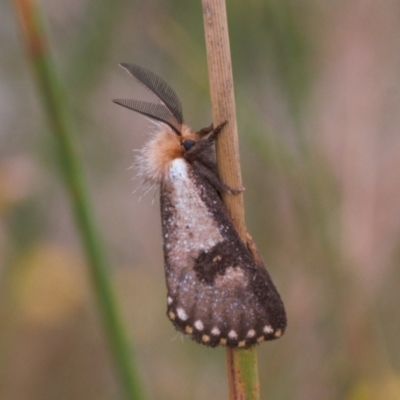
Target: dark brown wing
point(217, 294)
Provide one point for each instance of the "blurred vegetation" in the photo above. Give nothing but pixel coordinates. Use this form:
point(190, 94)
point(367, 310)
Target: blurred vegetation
point(317, 87)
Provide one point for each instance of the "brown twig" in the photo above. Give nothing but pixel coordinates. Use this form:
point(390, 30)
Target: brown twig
point(223, 105)
point(241, 364)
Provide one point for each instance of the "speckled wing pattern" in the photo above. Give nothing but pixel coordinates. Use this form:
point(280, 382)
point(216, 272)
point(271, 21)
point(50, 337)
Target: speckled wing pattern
point(217, 294)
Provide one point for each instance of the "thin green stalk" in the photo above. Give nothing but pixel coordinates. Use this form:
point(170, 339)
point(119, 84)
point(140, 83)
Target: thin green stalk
point(241, 364)
point(243, 374)
point(57, 111)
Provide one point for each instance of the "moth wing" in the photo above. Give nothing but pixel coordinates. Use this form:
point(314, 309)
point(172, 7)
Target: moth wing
point(217, 294)
point(226, 299)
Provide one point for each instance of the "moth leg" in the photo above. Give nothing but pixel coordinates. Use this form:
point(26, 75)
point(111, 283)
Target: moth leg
point(205, 131)
point(214, 180)
point(208, 129)
point(218, 129)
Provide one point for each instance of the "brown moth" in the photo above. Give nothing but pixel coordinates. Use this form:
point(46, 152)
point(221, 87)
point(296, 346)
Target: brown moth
point(217, 293)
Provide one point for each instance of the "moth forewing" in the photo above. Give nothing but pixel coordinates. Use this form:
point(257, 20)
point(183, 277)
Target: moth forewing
point(217, 293)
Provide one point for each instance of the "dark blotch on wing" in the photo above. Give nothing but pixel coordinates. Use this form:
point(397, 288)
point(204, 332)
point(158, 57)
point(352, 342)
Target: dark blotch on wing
point(208, 265)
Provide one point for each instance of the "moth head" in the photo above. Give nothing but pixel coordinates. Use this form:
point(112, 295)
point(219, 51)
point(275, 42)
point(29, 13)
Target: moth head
point(189, 139)
point(172, 138)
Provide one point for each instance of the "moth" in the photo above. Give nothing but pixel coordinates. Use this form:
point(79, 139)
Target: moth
point(217, 293)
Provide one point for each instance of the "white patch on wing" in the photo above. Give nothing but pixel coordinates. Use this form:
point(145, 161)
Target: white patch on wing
point(178, 170)
point(215, 331)
point(191, 230)
point(182, 314)
point(251, 333)
point(268, 329)
point(232, 334)
point(194, 227)
point(199, 325)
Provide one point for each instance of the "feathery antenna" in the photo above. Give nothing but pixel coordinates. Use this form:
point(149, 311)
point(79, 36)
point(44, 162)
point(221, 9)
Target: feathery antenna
point(170, 112)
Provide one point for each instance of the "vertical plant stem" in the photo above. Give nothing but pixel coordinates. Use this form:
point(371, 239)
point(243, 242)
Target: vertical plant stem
point(57, 111)
point(223, 105)
point(241, 364)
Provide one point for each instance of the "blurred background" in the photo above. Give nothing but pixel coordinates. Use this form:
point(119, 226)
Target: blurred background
point(317, 86)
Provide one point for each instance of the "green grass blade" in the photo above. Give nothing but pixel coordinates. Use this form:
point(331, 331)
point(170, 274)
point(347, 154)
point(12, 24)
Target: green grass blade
point(57, 111)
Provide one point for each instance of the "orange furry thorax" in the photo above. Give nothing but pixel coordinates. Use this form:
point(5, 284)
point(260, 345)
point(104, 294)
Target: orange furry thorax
point(162, 148)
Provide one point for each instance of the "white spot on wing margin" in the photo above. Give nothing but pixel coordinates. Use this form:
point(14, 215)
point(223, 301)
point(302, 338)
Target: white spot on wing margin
point(182, 314)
